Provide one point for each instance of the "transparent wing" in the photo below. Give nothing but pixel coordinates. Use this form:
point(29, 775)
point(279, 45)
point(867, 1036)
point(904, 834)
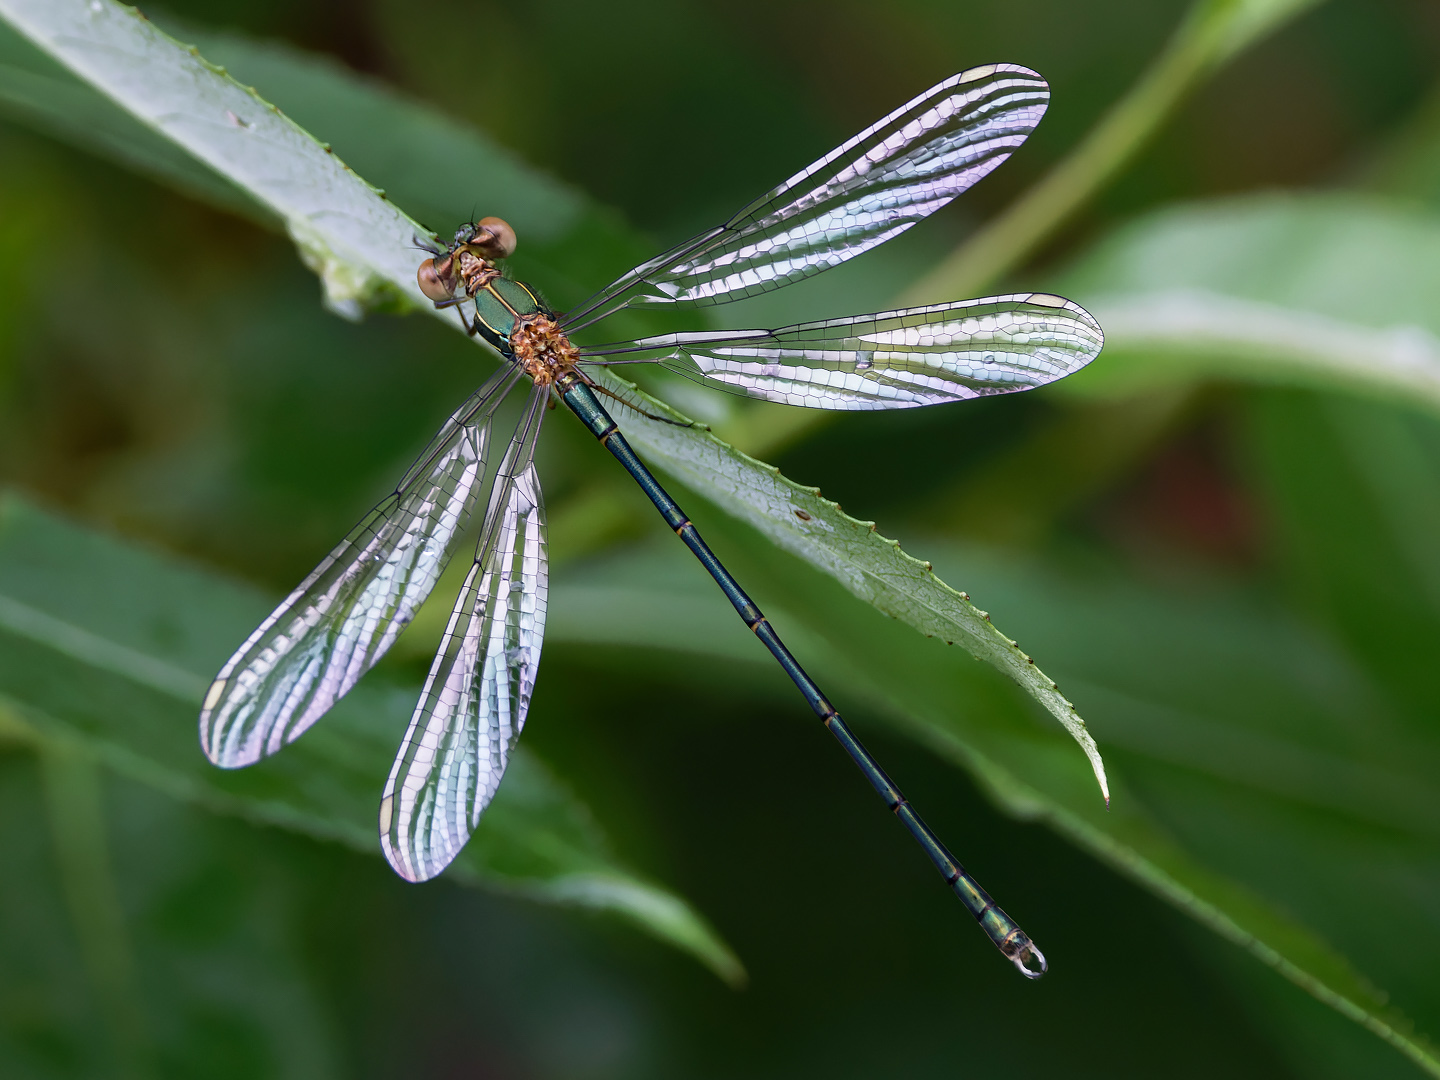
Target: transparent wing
point(896, 359)
point(467, 722)
point(343, 617)
point(872, 188)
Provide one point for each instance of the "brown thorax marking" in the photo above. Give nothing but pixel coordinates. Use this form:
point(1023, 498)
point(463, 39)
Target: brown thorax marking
point(542, 349)
point(475, 271)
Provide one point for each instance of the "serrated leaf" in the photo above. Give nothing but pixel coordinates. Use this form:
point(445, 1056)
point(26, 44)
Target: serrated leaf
point(874, 568)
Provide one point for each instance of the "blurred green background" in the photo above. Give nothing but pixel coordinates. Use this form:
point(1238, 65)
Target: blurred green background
point(1222, 540)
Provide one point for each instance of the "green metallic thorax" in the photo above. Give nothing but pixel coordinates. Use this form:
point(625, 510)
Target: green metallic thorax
point(499, 305)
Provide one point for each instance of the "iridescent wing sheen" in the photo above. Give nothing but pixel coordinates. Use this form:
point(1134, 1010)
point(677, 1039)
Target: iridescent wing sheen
point(896, 359)
point(872, 188)
point(317, 644)
point(469, 717)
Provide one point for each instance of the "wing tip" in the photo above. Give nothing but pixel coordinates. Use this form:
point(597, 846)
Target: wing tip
point(406, 858)
point(984, 71)
point(220, 756)
point(406, 864)
point(1051, 300)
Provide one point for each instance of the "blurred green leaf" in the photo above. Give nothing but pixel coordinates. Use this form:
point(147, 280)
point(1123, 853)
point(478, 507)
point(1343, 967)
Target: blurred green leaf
point(1354, 489)
point(1022, 492)
point(77, 822)
point(1211, 701)
point(1325, 291)
point(218, 978)
point(106, 645)
point(363, 248)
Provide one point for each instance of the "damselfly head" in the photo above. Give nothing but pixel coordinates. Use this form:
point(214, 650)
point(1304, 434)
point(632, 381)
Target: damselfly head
point(491, 238)
point(437, 278)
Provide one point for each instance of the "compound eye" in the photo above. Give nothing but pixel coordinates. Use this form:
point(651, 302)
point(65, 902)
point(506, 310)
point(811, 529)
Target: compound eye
point(436, 281)
point(494, 237)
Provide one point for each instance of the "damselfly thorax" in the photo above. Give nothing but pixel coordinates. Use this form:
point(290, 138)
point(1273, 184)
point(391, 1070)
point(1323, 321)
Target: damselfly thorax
point(508, 314)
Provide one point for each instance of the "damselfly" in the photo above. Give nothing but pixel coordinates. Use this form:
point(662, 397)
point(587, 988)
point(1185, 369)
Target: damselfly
point(349, 611)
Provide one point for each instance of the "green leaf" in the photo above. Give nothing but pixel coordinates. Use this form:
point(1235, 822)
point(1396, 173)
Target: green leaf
point(208, 970)
point(1323, 291)
point(1354, 491)
point(40, 92)
point(1213, 703)
point(112, 647)
point(77, 823)
point(362, 246)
